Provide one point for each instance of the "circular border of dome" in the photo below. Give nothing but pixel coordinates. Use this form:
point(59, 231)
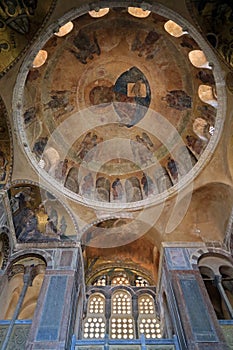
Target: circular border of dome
point(204, 158)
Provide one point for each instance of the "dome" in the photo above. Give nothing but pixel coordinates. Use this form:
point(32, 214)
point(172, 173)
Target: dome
point(122, 111)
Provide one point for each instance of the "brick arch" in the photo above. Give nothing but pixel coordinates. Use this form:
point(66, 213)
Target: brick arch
point(200, 252)
point(42, 254)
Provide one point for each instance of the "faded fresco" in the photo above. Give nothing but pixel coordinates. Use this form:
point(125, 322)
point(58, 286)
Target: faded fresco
point(120, 85)
point(5, 147)
point(38, 216)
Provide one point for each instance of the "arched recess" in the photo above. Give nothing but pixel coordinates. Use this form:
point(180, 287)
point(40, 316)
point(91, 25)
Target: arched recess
point(133, 189)
point(24, 280)
point(208, 213)
point(135, 262)
point(38, 216)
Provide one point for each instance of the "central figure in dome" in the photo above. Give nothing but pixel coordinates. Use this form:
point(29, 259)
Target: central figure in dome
point(130, 96)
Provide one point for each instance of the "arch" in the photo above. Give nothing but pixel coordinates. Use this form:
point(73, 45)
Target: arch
point(38, 253)
point(198, 59)
point(99, 12)
point(12, 290)
point(72, 180)
point(148, 321)
point(38, 215)
point(133, 189)
point(31, 297)
point(40, 59)
point(207, 95)
point(217, 274)
point(95, 320)
point(12, 300)
point(138, 12)
point(201, 128)
point(122, 325)
point(102, 189)
point(212, 205)
point(174, 29)
point(65, 29)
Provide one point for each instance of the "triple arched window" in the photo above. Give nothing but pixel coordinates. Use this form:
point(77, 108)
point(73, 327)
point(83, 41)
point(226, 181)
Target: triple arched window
point(122, 313)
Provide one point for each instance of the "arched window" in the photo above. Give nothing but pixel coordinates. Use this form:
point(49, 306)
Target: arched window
point(174, 29)
point(99, 12)
point(207, 95)
point(148, 322)
point(40, 59)
point(198, 59)
point(121, 322)
point(95, 321)
point(65, 29)
point(217, 274)
point(121, 279)
point(138, 12)
point(100, 281)
point(141, 282)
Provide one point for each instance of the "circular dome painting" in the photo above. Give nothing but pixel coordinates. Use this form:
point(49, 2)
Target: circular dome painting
point(120, 108)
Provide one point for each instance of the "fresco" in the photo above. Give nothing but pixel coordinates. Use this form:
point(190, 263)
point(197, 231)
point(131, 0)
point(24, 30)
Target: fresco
point(133, 189)
point(129, 188)
point(19, 22)
point(107, 233)
point(3, 213)
point(133, 89)
point(5, 147)
point(130, 96)
point(38, 216)
point(147, 46)
point(178, 99)
point(102, 190)
point(101, 85)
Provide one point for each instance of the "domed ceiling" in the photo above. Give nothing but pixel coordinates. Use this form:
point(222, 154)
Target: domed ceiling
point(120, 109)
